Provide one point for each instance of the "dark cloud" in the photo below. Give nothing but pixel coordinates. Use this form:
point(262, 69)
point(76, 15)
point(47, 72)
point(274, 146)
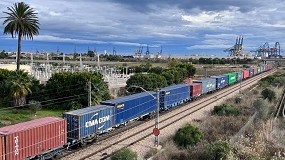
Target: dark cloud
point(188, 5)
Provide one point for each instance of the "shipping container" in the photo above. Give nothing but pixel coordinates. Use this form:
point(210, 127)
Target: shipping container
point(37, 137)
point(1, 147)
point(254, 70)
point(208, 84)
point(258, 70)
point(245, 74)
point(264, 68)
point(195, 90)
point(239, 75)
point(130, 107)
point(221, 81)
point(251, 72)
point(173, 96)
point(261, 69)
point(232, 78)
point(84, 124)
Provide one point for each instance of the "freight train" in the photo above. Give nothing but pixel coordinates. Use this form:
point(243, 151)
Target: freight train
point(45, 138)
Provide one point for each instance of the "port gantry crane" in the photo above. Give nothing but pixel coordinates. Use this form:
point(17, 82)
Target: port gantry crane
point(237, 48)
point(265, 51)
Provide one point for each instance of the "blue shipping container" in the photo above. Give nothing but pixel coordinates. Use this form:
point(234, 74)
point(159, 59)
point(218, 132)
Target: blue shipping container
point(221, 81)
point(173, 96)
point(251, 72)
point(133, 106)
point(239, 76)
point(88, 121)
point(208, 84)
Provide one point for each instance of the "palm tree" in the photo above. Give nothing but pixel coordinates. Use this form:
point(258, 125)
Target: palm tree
point(21, 20)
point(20, 86)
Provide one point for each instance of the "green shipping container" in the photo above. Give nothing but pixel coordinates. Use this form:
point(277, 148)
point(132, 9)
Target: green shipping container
point(258, 70)
point(232, 77)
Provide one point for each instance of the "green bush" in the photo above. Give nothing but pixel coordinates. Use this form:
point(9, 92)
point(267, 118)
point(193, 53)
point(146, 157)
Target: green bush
point(218, 150)
point(268, 94)
point(124, 154)
point(188, 135)
point(225, 110)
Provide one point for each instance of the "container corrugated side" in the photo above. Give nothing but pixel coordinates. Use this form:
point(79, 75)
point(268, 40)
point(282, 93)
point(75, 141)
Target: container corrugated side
point(239, 75)
point(232, 78)
point(251, 72)
point(34, 141)
point(254, 70)
point(221, 81)
point(130, 107)
point(208, 84)
point(195, 89)
point(245, 74)
point(89, 121)
point(258, 70)
point(174, 95)
point(2, 147)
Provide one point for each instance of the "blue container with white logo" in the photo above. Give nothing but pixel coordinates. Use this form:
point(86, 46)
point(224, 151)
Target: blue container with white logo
point(86, 123)
point(173, 96)
point(221, 81)
point(251, 72)
point(133, 106)
point(208, 84)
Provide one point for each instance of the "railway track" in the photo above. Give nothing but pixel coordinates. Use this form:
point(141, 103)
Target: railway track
point(140, 132)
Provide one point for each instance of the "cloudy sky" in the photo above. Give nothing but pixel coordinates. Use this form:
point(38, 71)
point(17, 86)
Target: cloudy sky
point(178, 26)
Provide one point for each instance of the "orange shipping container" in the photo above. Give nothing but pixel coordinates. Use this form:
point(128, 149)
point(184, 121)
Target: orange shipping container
point(33, 138)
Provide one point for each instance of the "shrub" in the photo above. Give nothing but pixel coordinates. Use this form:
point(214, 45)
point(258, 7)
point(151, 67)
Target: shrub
point(124, 154)
point(219, 150)
point(269, 94)
point(225, 110)
point(188, 135)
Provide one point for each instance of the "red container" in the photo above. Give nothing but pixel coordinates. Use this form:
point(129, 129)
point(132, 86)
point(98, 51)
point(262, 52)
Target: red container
point(245, 74)
point(32, 138)
point(1, 147)
point(195, 89)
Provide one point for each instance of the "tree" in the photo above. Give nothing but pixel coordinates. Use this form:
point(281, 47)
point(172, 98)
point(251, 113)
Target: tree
point(149, 82)
point(21, 20)
point(188, 135)
point(20, 86)
point(191, 70)
point(124, 154)
point(65, 87)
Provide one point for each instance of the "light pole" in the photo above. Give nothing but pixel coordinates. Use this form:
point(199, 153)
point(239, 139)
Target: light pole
point(156, 125)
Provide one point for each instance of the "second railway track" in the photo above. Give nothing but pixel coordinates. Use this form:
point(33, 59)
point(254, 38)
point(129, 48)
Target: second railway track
point(142, 131)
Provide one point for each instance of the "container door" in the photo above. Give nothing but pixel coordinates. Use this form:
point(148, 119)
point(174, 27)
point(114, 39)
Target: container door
point(2, 148)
